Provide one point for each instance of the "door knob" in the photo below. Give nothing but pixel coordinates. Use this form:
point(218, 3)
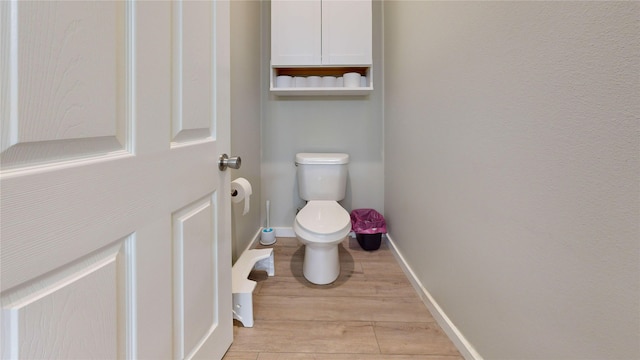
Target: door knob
point(225, 161)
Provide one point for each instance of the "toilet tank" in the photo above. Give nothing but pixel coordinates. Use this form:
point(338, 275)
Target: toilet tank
point(322, 176)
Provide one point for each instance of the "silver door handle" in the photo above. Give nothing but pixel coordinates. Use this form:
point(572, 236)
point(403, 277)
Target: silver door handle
point(225, 161)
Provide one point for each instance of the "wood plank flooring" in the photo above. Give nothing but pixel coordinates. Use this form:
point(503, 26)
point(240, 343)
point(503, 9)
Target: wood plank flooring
point(370, 312)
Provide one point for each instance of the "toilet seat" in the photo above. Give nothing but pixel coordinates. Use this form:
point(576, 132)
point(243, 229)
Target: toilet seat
point(323, 221)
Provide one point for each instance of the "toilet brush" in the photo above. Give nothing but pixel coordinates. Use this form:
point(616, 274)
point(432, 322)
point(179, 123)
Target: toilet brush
point(268, 236)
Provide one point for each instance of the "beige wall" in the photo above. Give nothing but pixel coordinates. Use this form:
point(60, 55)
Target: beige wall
point(517, 198)
point(245, 114)
point(319, 124)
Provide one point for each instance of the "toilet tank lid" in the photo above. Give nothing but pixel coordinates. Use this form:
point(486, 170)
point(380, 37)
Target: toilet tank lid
point(322, 158)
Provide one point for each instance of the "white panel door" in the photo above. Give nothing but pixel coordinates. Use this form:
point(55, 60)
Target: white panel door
point(115, 220)
point(296, 32)
point(346, 32)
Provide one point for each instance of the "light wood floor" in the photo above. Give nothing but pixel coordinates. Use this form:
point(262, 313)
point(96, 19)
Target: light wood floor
point(370, 312)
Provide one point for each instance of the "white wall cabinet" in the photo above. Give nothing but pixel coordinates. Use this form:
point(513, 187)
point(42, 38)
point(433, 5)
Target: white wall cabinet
point(321, 35)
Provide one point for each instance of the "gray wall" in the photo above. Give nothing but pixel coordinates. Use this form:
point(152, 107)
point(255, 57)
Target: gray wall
point(517, 200)
point(245, 115)
point(319, 124)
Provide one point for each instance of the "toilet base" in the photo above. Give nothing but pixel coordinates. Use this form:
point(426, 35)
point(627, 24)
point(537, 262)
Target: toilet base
point(321, 264)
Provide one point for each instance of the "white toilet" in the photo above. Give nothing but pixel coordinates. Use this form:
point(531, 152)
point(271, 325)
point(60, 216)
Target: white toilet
point(322, 224)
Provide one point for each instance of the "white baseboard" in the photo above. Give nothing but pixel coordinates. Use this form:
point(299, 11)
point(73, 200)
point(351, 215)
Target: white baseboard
point(461, 343)
point(284, 232)
point(280, 232)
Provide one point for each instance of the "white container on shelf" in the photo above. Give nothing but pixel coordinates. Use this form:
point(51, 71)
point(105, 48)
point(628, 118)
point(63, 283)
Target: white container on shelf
point(328, 81)
point(352, 79)
point(284, 81)
point(314, 81)
point(300, 81)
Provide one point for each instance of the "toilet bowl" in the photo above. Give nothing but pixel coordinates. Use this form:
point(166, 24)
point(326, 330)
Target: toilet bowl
point(321, 225)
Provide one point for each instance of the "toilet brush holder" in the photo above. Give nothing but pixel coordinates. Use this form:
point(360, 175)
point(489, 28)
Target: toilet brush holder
point(268, 236)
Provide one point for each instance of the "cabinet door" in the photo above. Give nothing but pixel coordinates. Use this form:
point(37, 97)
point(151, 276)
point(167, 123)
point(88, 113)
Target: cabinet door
point(296, 32)
point(346, 32)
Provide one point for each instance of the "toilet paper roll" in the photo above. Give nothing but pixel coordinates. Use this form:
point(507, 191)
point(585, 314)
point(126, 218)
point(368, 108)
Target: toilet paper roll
point(314, 81)
point(300, 81)
point(242, 188)
point(351, 79)
point(284, 81)
point(329, 81)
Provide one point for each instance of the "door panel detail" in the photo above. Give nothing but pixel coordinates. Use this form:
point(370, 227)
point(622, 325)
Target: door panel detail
point(192, 72)
point(55, 316)
point(65, 72)
point(195, 279)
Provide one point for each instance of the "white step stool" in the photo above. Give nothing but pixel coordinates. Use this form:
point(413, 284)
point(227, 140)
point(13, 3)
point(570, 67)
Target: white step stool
point(242, 288)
